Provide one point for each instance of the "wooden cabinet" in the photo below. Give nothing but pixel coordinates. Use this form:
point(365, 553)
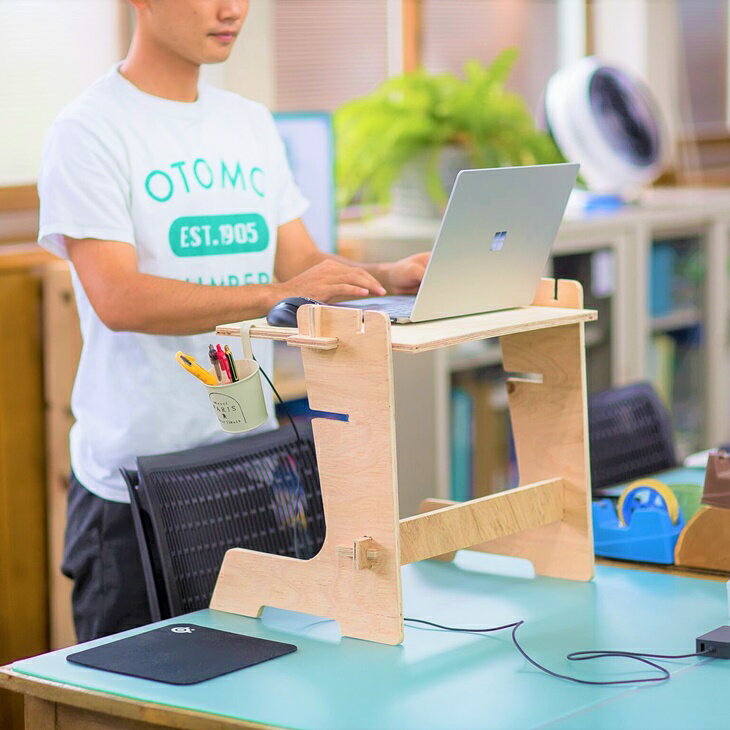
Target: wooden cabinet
point(23, 537)
point(62, 348)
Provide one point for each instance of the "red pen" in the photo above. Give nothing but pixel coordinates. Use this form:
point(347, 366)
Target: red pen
point(223, 360)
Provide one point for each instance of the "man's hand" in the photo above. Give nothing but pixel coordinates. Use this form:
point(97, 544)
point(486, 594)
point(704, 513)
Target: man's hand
point(404, 276)
point(300, 265)
point(330, 281)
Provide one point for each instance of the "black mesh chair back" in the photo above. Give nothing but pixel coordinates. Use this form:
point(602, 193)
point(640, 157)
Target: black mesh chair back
point(259, 492)
point(630, 434)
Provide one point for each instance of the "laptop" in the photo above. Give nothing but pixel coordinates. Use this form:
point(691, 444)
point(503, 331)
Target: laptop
point(492, 246)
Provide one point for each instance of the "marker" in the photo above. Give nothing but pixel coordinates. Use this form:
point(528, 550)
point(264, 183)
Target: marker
point(223, 360)
point(231, 362)
point(214, 362)
point(194, 369)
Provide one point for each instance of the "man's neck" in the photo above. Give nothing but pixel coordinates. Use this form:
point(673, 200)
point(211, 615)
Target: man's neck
point(160, 72)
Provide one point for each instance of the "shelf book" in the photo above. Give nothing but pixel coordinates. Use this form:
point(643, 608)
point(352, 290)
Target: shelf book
point(482, 448)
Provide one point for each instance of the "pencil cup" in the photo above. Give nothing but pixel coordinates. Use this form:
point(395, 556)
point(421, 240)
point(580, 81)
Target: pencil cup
point(240, 406)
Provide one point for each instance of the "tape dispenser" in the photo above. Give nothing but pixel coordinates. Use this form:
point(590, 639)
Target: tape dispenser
point(644, 524)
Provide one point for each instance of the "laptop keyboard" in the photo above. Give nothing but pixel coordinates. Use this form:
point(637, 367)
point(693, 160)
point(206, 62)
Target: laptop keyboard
point(398, 306)
point(395, 306)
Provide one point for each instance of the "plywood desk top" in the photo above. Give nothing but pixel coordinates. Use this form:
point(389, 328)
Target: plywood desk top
point(424, 336)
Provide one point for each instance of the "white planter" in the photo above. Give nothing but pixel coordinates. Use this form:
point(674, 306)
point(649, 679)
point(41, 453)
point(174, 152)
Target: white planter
point(410, 197)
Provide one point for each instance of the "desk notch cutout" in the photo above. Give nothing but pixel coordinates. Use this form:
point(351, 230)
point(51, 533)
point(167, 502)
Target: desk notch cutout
point(311, 335)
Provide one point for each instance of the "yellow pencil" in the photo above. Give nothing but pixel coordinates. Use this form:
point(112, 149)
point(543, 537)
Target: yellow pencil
point(194, 369)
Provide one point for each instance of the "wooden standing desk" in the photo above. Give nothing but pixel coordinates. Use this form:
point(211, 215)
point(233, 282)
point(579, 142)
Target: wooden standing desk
point(347, 357)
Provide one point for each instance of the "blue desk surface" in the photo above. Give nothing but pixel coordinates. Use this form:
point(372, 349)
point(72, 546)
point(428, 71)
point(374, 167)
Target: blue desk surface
point(446, 680)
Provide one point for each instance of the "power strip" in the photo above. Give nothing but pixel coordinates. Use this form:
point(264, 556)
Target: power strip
point(715, 644)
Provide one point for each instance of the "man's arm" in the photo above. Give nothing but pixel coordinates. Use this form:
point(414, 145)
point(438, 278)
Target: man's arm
point(127, 300)
point(296, 252)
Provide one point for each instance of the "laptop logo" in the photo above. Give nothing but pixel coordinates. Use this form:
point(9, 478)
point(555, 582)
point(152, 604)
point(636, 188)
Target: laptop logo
point(498, 241)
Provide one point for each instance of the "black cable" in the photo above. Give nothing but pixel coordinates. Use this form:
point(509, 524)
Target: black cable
point(281, 401)
point(301, 496)
point(577, 656)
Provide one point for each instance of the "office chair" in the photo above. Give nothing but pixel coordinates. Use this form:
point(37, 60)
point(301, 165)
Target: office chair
point(260, 492)
point(630, 434)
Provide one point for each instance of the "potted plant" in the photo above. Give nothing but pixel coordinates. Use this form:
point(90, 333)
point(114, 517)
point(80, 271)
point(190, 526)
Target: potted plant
point(418, 125)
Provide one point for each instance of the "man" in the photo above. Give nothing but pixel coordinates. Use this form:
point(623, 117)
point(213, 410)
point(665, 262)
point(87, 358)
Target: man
point(175, 205)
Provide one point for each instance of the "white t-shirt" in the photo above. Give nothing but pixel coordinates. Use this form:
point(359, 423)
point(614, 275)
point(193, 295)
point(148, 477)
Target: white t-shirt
point(199, 190)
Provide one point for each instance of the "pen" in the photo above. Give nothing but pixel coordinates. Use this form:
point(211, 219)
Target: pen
point(194, 369)
point(231, 363)
point(223, 360)
point(214, 362)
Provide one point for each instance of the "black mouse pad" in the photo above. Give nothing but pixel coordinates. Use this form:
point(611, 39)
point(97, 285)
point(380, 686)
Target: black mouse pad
point(181, 654)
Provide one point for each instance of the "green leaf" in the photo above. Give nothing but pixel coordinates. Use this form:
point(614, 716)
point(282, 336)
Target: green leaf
point(420, 113)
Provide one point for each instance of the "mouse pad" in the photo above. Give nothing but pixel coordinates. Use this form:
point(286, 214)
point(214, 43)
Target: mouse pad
point(181, 654)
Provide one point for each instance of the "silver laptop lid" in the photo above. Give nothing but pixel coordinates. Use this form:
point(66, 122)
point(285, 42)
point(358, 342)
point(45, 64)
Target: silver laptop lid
point(494, 240)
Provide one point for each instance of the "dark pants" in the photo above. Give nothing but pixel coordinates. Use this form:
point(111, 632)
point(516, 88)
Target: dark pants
point(101, 557)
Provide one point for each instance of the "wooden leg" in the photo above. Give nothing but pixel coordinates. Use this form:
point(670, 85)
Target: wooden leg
point(357, 469)
point(549, 422)
point(550, 427)
point(39, 714)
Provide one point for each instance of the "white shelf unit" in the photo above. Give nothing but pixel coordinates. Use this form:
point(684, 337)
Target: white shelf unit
point(678, 319)
point(423, 388)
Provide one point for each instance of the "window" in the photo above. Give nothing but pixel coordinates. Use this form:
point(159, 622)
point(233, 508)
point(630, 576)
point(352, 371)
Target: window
point(50, 51)
point(327, 51)
point(703, 33)
point(455, 31)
